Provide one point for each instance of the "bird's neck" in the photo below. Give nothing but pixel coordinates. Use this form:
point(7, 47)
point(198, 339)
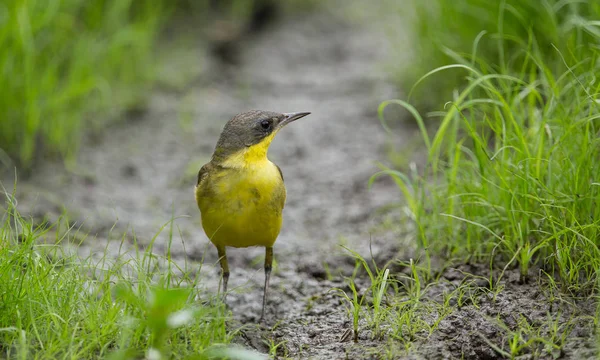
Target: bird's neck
point(254, 155)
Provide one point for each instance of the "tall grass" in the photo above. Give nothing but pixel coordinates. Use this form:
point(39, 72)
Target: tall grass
point(513, 171)
point(498, 35)
point(65, 63)
point(56, 305)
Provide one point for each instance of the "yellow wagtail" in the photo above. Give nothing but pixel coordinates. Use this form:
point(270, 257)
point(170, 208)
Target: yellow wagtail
point(240, 192)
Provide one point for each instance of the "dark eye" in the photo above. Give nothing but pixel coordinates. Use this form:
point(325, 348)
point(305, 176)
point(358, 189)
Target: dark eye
point(265, 124)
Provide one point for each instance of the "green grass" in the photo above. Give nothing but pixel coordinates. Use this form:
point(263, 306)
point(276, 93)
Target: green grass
point(69, 65)
point(512, 176)
point(403, 310)
point(397, 311)
point(496, 37)
point(55, 305)
point(512, 173)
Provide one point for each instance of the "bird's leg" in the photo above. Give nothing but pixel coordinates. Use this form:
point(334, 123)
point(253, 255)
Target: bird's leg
point(224, 268)
point(268, 265)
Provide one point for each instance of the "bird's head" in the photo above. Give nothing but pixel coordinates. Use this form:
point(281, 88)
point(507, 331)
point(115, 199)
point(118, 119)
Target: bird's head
point(251, 133)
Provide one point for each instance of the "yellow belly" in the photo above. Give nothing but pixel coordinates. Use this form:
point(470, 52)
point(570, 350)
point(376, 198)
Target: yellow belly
point(242, 207)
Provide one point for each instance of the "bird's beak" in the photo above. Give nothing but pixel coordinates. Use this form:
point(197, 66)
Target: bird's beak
point(289, 117)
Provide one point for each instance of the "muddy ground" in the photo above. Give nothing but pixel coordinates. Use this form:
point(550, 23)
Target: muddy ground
point(135, 176)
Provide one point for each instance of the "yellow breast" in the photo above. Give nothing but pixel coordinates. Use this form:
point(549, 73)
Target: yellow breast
point(241, 202)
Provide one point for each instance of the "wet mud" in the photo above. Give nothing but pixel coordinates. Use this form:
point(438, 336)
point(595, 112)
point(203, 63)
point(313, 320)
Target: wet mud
point(138, 175)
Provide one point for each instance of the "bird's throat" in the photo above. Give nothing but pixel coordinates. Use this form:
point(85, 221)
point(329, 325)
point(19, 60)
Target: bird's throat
point(249, 156)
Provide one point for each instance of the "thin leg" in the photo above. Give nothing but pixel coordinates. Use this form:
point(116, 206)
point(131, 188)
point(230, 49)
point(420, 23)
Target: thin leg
point(224, 268)
point(268, 265)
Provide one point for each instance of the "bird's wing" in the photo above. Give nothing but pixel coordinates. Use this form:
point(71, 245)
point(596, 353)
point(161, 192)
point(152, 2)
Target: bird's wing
point(203, 173)
point(283, 194)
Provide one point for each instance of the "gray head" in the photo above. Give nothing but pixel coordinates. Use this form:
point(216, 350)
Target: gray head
point(250, 128)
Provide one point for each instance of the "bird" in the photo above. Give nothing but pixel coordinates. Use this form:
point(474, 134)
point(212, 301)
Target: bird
point(240, 193)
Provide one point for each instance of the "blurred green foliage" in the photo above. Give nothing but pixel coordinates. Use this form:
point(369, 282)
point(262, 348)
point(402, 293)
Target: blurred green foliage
point(62, 62)
point(68, 66)
point(499, 36)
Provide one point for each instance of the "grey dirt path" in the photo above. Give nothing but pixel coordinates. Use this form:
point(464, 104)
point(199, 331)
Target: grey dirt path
point(141, 172)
